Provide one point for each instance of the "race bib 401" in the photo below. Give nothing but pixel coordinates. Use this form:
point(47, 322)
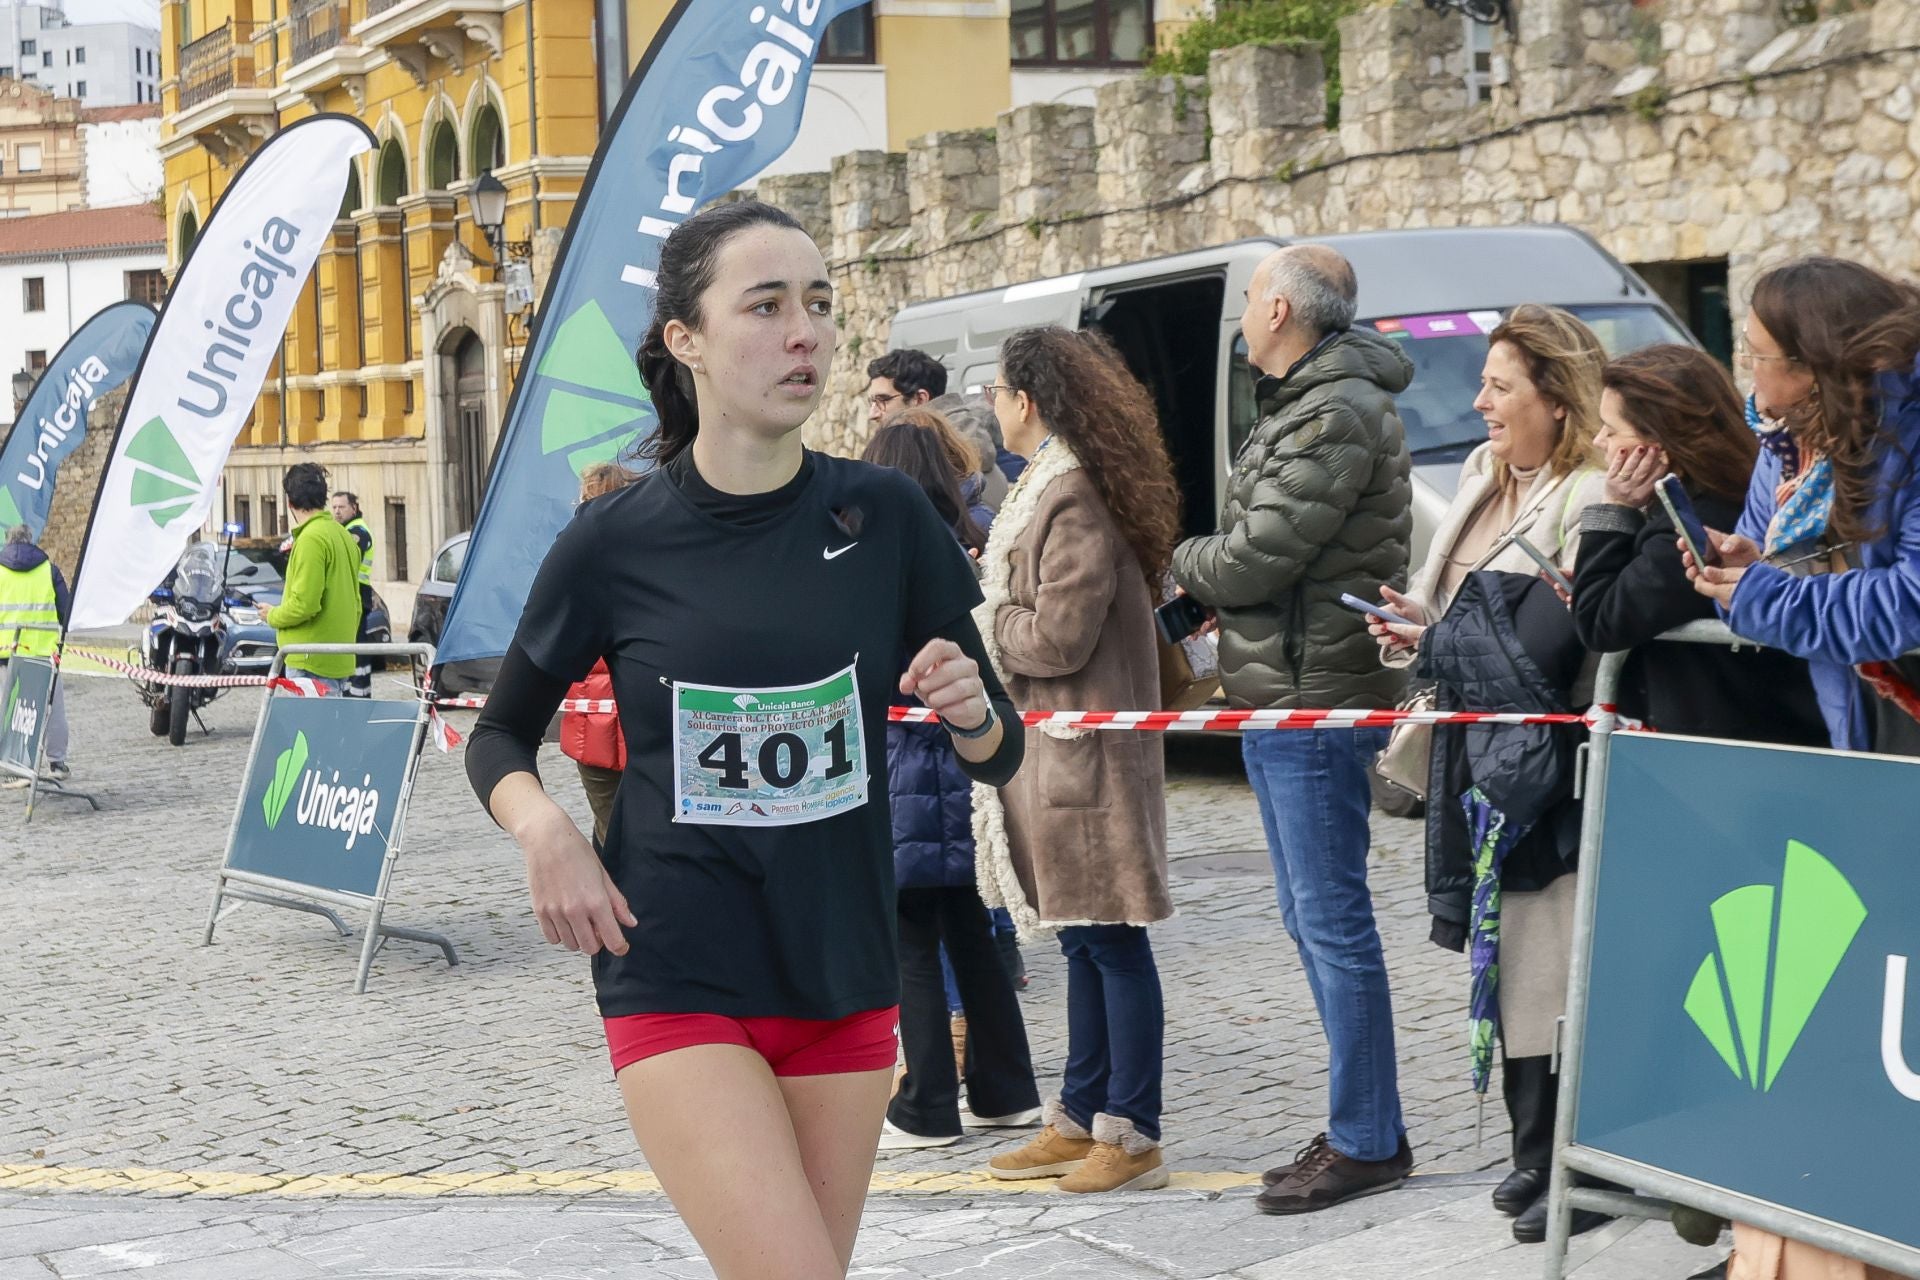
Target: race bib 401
point(768, 757)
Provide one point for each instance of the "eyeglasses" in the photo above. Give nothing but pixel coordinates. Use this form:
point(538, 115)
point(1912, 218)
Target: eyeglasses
point(880, 403)
point(1746, 357)
point(993, 389)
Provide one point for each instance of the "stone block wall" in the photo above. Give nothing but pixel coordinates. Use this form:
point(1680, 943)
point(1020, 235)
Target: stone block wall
point(1670, 130)
point(76, 484)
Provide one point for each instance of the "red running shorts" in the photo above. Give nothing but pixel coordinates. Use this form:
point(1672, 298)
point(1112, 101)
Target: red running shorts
point(792, 1046)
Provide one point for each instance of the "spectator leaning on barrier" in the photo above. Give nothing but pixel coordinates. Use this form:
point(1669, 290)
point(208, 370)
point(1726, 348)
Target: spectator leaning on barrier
point(32, 590)
point(900, 380)
point(1319, 503)
point(1673, 409)
point(1825, 562)
point(1077, 842)
point(1540, 396)
point(593, 739)
point(321, 601)
point(346, 509)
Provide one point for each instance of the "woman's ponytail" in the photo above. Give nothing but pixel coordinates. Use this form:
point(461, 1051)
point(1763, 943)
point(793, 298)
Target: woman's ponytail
point(688, 261)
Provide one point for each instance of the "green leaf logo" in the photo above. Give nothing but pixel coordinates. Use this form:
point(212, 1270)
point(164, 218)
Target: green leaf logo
point(165, 484)
point(286, 773)
point(1751, 1028)
point(9, 509)
point(599, 412)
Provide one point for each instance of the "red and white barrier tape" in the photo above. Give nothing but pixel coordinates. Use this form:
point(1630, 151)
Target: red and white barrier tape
point(1190, 721)
point(150, 676)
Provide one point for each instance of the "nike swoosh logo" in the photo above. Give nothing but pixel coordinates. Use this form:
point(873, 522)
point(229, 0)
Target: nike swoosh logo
point(829, 554)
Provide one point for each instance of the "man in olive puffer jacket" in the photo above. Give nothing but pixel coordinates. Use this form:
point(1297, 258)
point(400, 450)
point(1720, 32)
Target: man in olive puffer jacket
point(1319, 503)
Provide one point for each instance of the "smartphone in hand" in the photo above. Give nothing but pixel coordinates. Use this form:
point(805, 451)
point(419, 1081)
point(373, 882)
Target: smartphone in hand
point(1180, 617)
point(1547, 566)
point(1692, 531)
point(1368, 607)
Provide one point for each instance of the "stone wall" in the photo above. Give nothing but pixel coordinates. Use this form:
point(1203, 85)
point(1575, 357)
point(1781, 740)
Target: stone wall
point(76, 483)
point(1673, 130)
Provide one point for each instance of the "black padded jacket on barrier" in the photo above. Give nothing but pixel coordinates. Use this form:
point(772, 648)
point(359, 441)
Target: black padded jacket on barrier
point(1507, 643)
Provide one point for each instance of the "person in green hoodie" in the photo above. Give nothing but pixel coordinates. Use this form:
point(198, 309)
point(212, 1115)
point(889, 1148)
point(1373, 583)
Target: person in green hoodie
point(321, 603)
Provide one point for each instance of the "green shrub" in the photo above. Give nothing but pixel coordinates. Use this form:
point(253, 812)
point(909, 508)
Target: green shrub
point(1238, 22)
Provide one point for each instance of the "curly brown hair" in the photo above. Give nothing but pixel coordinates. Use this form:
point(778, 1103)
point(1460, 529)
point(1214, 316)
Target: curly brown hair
point(1086, 395)
point(1846, 324)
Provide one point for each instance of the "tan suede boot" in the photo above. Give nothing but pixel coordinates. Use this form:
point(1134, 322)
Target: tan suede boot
point(1056, 1150)
point(1122, 1159)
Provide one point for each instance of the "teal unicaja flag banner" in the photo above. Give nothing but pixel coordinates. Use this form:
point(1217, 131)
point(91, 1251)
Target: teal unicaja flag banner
point(717, 98)
point(97, 359)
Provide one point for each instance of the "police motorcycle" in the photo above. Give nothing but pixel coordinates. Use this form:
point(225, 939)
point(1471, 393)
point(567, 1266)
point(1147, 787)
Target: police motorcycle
point(187, 636)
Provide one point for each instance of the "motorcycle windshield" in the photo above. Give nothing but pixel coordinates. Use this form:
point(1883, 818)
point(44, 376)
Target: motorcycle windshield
point(198, 577)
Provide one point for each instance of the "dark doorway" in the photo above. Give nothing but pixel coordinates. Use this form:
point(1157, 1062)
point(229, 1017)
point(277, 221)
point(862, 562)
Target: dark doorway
point(1697, 292)
point(467, 429)
point(1170, 336)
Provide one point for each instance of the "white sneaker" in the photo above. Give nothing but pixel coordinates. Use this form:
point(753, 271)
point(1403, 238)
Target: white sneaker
point(894, 1138)
point(1018, 1120)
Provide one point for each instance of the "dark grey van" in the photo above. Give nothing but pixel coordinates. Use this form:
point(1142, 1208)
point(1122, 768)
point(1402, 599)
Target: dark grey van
point(1177, 320)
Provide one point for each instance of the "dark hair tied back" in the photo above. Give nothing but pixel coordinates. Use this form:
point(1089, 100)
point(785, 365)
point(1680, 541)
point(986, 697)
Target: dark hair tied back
point(688, 261)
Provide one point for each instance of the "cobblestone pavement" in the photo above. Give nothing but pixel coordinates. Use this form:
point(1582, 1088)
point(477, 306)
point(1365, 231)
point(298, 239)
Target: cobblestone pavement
point(251, 1064)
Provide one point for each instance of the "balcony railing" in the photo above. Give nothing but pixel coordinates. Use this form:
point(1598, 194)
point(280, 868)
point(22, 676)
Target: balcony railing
point(316, 26)
point(218, 62)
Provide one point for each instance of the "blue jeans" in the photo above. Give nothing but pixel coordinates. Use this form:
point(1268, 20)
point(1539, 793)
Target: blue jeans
point(1115, 1026)
point(1314, 800)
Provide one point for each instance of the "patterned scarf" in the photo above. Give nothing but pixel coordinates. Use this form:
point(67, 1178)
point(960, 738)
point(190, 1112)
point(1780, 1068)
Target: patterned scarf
point(1803, 503)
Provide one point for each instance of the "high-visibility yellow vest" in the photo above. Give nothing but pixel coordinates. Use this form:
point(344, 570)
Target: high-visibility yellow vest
point(366, 557)
point(26, 597)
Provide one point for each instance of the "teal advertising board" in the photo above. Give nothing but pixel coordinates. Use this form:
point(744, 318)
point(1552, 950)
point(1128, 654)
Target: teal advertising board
point(1750, 1021)
point(24, 713)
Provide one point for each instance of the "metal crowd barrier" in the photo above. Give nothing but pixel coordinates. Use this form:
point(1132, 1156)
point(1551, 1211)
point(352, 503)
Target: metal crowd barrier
point(1657, 1191)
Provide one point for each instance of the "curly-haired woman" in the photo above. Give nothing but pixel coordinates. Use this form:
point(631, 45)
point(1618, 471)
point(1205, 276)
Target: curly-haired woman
point(1078, 843)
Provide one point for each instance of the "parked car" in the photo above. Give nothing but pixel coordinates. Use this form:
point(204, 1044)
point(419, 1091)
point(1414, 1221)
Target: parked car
point(1177, 321)
point(430, 602)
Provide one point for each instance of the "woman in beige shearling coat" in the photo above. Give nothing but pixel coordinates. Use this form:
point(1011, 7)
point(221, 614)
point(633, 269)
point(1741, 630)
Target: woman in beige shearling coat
point(1078, 841)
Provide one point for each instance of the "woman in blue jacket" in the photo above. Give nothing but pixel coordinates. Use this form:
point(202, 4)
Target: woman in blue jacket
point(1825, 562)
point(933, 857)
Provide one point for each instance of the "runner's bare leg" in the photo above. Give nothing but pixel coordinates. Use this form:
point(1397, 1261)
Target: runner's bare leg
point(712, 1122)
point(836, 1121)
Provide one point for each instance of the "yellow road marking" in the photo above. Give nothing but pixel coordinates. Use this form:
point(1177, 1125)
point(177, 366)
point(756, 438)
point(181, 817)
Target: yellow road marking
point(576, 1182)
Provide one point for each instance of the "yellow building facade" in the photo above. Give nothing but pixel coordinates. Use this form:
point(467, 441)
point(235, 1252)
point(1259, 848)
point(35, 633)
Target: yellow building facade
point(400, 356)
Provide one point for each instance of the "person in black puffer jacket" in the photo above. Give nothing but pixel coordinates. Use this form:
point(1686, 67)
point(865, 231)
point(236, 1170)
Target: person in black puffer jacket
point(933, 863)
point(1664, 409)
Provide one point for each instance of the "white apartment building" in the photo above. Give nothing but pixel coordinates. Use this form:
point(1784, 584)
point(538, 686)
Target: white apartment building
point(102, 64)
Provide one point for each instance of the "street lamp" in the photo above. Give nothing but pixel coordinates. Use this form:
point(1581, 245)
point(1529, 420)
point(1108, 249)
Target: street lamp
point(487, 199)
point(22, 388)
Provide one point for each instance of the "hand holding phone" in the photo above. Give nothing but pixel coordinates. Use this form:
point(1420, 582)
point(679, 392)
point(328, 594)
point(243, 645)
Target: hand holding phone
point(1693, 532)
point(1180, 617)
point(1368, 607)
point(1547, 566)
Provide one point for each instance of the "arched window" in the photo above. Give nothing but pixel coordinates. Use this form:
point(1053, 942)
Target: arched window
point(350, 202)
point(391, 182)
point(486, 143)
point(443, 157)
point(189, 231)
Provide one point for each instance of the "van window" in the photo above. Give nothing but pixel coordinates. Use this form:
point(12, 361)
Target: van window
point(1243, 408)
point(1448, 352)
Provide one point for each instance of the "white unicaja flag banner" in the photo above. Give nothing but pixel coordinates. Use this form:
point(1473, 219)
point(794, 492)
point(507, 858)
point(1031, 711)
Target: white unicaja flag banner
point(207, 358)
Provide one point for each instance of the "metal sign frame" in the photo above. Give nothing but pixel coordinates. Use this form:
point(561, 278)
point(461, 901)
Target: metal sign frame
point(39, 782)
point(1657, 1190)
point(234, 887)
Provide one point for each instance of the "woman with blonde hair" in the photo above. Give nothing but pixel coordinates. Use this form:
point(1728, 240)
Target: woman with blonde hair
point(1539, 470)
point(1077, 843)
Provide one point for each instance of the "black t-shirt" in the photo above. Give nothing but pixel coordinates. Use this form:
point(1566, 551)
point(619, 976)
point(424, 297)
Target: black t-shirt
point(848, 565)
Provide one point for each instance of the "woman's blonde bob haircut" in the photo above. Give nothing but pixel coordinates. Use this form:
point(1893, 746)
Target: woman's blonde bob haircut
point(1565, 361)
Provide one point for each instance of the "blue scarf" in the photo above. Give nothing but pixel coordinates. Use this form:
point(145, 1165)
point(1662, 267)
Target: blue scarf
point(1803, 514)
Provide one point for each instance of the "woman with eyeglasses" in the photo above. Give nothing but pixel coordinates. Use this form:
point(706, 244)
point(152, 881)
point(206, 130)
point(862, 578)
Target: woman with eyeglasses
point(1825, 560)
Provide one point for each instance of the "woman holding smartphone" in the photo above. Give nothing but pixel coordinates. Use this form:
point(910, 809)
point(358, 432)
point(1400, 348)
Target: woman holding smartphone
point(1540, 396)
point(1078, 843)
point(1825, 559)
point(757, 605)
point(1671, 409)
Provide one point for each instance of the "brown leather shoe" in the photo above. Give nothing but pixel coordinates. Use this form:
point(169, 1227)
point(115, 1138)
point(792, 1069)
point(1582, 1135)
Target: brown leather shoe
point(1280, 1173)
point(1326, 1178)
